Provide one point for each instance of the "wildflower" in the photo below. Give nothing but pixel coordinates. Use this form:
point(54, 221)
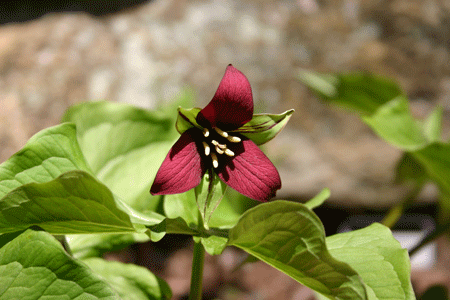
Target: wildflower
point(216, 142)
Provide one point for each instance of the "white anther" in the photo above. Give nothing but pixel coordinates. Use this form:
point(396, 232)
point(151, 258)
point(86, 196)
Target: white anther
point(215, 162)
point(205, 132)
point(229, 152)
point(215, 143)
point(233, 139)
point(218, 150)
point(222, 133)
point(207, 149)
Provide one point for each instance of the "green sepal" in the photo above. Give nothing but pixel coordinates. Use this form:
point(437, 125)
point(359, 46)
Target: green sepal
point(186, 119)
point(208, 194)
point(264, 127)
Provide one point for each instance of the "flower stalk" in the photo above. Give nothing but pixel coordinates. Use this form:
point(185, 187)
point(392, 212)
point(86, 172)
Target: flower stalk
point(197, 271)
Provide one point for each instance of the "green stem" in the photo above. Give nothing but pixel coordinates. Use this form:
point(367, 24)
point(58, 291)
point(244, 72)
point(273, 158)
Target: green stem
point(396, 212)
point(197, 272)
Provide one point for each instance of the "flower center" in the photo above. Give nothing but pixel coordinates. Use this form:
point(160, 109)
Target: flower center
point(216, 144)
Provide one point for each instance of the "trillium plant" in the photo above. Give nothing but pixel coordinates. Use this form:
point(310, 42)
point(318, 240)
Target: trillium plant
point(80, 189)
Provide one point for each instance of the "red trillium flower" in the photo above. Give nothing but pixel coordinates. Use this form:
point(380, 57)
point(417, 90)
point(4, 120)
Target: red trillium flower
point(216, 141)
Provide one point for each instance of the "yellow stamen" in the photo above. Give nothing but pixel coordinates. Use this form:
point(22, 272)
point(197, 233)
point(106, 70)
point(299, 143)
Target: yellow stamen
point(229, 152)
point(218, 150)
point(222, 133)
point(233, 139)
point(215, 143)
point(215, 162)
point(207, 149)
point(205, 132)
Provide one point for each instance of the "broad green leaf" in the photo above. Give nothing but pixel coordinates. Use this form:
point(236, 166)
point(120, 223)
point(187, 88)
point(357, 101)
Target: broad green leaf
point(378, 258)
point(324, 84)
point(48, 154)
point(394, 123)
point(433, 125)
point(184, 206)
point(225, 216)
point(35, 266)
point(208, 195)
point(125, 146)
point(214, 244)
point(8, 237)
point(176, 226)
point(74, 202)
point(291, 238)
point(361, 92)
point(186, 119)
point(130, 281)
point(95, 245)
point(435, 159)
point(319, 199)
point(264, 127)
point(230, 209)
point(409, 169)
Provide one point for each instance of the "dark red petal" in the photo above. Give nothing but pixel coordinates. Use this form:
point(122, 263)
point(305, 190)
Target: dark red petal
point(250, 172)
point(232, 105)
point(182, 169)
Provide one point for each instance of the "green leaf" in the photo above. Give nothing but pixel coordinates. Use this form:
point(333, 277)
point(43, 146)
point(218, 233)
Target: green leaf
point(230, 209)
point(409, 169)
point(394, 123)
point(214, 244)
point(48, 154)
point(264, 127)
point(208, 195)
point(378, 258)
point(130, 281)
point(324, 84)
point(291, 238)
point(361, 92)
point(176, 226)
point(35, 266)
point(225, 216)
point(184, 206)
point(319, 199)
point(186, 119)
point(433, 125)
point(125, 147)
point(95, 245)
point(435, 159)
point(75, 202)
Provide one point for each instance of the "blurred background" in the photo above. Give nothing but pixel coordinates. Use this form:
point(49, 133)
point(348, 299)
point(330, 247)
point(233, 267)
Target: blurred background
point(146, 52)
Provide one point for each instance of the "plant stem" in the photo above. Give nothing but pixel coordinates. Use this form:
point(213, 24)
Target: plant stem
point(197, 272)
point(396, 212)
